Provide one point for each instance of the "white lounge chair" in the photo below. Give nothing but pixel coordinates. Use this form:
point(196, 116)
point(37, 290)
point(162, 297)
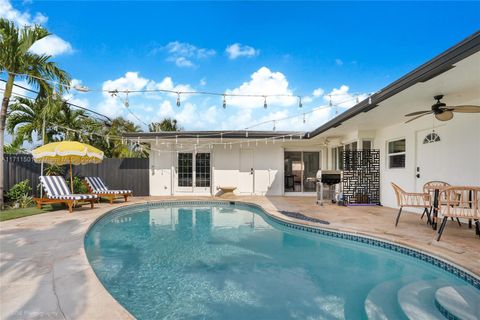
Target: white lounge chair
point(57, 191)
point(96, 186)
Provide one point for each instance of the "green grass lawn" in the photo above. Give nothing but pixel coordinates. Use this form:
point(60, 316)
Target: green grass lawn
point(9, 214)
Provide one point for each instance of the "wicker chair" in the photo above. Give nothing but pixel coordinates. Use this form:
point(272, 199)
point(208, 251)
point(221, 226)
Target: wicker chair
point(430, 187)
point(460, 202)
point(412, 200)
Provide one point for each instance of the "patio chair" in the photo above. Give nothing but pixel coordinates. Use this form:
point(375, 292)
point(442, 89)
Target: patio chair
point(96, 186)
point(460, 202)
point(412, 200)
point(430, 187)
point(57, 191)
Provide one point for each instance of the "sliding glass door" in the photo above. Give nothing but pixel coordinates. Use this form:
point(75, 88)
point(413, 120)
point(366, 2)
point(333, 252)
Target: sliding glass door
point(301, 170)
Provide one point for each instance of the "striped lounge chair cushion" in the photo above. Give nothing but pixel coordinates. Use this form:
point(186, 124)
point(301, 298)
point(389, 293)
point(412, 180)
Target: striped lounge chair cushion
point(75, 196)
point(97, 186)
point(56, 188)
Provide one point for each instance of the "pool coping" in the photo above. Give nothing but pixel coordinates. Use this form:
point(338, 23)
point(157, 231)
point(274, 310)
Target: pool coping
point(451, 267)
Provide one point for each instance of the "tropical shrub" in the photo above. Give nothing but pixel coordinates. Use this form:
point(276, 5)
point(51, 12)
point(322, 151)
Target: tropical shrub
point(25, 201)
point(18, 191)
point(53, 170)
point(78, 186)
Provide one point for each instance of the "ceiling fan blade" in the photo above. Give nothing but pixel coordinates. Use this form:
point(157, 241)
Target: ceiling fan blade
point(415, 118)
point(417, 113)
point(466, 109)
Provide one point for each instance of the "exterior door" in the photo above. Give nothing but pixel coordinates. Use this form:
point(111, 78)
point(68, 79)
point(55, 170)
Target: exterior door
point(184, 172)
point(432, 157)
point(246, 175)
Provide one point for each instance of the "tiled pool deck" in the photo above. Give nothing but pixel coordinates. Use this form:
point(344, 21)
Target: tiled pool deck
point(44, 272)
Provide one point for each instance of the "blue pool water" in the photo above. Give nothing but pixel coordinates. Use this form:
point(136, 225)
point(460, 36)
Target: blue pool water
point(222, 261)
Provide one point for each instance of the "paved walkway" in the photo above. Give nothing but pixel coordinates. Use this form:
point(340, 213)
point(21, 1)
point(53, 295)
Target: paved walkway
point(44, 272)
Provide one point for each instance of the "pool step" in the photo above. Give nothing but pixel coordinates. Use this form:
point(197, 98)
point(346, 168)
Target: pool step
point(417, 299)
point(381, 302)
point(458, 302)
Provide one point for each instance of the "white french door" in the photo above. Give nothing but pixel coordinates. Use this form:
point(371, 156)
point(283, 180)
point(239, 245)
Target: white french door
point(433, 157)
point(193, 172)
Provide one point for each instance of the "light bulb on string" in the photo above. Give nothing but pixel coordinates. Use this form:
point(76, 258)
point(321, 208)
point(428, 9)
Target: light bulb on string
point(265, 102)
point(304, 120)
point(224, 102)
point(178, 99)
point(274, 125)
point(300, 102)
point(127, 104)
point(357, 100)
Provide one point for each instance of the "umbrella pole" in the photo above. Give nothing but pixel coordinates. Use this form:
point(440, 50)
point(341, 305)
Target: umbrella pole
point(71, 178)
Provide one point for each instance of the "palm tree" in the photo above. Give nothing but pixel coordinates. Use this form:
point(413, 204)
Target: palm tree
point(26, 118)
point(166, 124)
point(75, 120)
point(18, 62)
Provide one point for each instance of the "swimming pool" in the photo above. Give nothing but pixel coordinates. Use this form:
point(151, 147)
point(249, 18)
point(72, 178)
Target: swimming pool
point(221, 260)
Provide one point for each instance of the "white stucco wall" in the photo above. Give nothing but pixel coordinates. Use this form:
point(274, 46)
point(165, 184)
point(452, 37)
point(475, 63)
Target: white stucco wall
point(459, 154)
point(226, 170)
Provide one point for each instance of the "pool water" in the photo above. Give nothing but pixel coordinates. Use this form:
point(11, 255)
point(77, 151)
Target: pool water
point(223, 261)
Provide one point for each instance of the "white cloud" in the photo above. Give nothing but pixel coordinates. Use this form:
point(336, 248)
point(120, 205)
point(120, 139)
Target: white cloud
point(51, 45)
point(20, 18)
point(342, 98)
point(131, 81)
point(318, 92)
point(338, 62)
point(184, 54)
point(183, 62)
point(263, 82)
point(237, 50)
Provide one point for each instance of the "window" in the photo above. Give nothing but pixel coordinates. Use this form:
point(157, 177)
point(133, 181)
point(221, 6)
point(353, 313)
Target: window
point(366, 144)
point(431, 138)
point(396, 154)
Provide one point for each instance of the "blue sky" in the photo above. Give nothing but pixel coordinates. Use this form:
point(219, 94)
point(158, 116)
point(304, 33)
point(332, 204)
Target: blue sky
point(321, 51)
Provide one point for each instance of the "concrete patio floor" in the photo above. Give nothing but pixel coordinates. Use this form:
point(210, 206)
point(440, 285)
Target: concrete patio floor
point(45, 274)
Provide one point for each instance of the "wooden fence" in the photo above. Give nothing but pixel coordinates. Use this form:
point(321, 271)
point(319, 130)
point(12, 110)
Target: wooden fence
point(127, 173)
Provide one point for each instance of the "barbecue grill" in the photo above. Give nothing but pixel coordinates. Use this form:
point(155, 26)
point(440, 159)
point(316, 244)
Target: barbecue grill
point(329, 185)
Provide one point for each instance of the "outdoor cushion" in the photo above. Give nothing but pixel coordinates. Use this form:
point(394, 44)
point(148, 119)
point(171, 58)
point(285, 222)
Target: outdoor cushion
point(75, 196)
point(97, 186)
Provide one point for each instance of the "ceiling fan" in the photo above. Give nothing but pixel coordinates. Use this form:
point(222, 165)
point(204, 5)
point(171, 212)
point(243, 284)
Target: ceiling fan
point(443, 112)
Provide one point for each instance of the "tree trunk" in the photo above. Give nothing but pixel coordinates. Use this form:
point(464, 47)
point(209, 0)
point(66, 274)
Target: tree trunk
point(3, 118)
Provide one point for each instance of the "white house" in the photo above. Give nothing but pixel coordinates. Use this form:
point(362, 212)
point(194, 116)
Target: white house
point(285, 163)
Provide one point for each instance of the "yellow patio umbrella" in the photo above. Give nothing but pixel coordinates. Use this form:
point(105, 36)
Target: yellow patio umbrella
point(67, 152)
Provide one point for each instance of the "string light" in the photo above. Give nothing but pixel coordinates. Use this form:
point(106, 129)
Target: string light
point(274, 125)
point(304, 118)
point(224, 102)
point(178, 99)
point(127, 104)
point(265, 102)
point(300, 102)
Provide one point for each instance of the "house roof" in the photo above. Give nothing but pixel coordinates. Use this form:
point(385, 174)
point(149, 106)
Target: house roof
point(226, 134)
point(427, 71)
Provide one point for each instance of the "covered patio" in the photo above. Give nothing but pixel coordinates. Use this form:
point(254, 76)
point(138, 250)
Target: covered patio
point(46, 274)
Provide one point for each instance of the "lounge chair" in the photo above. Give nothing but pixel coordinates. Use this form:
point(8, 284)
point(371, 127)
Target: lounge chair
point(460, 202)
point(96, 186)
point(412, 200)
point(57, 191)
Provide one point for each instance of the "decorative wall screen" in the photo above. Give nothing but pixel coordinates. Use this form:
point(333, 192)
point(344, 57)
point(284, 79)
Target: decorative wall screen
point(361, 176)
